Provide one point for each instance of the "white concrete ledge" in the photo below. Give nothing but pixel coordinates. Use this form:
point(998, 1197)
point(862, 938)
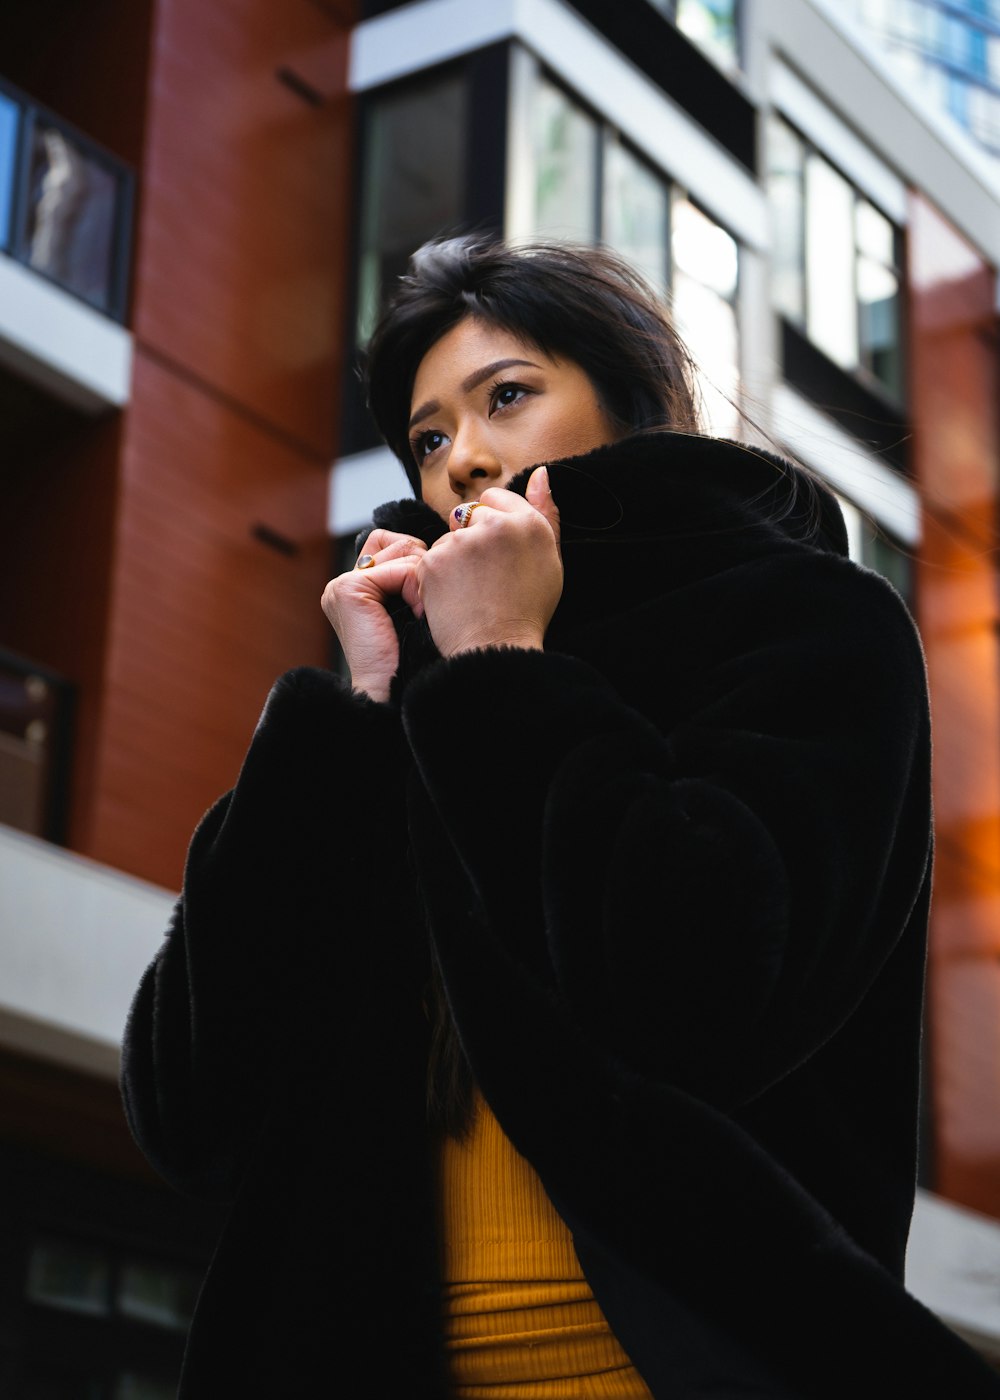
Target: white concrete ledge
point(61, 345)
point(75, 938)
point(953, 1266)
point(358, 484)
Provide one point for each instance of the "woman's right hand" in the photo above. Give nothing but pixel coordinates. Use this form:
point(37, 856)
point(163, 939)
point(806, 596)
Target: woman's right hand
point(355, 604)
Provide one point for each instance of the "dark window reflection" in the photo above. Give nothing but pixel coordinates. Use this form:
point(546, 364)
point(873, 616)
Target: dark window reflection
point(412, 181)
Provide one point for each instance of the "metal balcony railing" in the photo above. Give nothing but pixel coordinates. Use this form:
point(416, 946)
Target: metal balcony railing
point(65, 204)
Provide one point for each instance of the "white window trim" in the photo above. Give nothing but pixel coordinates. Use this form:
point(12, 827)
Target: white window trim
point(421, 35)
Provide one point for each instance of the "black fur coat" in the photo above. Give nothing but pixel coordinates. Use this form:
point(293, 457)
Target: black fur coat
point(675, 871)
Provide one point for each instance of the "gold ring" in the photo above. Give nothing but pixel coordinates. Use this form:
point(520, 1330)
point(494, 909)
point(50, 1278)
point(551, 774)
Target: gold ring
point(463, 514)
point(365, 562)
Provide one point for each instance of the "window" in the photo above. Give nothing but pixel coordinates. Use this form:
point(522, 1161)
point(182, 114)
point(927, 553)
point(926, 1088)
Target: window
point(65, 205)
point(571, 157)
point(9, 119)
point(711, 24)
point(569, 175)
point(413, 181)
point(705, 268)
point(35, 732)
point(87, 1276)
point(636, 216)
point(836, 273)
point(565, 164)
point(870, 545)
point(104, 1324)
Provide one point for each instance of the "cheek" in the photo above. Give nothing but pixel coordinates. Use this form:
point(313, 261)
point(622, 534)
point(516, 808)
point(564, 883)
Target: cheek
point(588, 428)
point(436, 492)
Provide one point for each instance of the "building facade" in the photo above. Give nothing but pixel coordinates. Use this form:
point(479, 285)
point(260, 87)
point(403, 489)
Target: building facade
point(201, 208)
point(951, 48)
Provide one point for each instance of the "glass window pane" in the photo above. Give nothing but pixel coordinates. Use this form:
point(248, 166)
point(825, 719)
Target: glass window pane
point(565, 156)
point(711, 24)
point(71, 217)
point(878, 323)
point(708, 324)
point(9, 121)
point(786, 161)
point(876, 236)
point(703, 283)
point(413, 181)
point(703, 249)
point(69, 1274)
point(636, 212)
point(831, 312)
point(158, 1293)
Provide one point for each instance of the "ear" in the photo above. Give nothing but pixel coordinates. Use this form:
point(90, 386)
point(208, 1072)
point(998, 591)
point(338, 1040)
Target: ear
point(539, 494)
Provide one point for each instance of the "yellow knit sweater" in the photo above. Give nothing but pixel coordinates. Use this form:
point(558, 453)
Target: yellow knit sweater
point(520, 1320)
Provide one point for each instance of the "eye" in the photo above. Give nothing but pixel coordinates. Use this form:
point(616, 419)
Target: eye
point(504, 394)
point(425, 444)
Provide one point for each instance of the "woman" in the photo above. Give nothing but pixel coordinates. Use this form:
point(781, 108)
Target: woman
point(547, 1002)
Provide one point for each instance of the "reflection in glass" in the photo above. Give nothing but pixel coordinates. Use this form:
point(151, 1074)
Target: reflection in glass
point(703, 249)
point(878, 296)
point(71, 217)
point(876, 236)
point(413, 182)
point(158, 1293)
point(636, 213)
point(787, 192)
point(69, 1274)
point(565, 142)
point(711, 24)
point(830, 293)
point(8, 152)
point(704, 283)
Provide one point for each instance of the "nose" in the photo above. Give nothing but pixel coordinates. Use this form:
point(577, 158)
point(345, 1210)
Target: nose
point(473, 463)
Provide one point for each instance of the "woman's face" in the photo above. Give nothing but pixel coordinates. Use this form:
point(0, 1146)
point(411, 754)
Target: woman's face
point(486, 404)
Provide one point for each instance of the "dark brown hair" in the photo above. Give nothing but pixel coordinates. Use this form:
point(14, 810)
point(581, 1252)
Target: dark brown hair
point(571, 302)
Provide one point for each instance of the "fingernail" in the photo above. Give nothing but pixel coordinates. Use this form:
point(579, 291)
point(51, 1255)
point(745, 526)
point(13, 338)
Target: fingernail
point(543, 476)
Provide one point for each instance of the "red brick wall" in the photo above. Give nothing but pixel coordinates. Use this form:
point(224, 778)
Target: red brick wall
point(954, 363)
point(239, 287)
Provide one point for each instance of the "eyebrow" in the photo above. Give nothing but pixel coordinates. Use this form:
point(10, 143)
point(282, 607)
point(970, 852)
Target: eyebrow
point(473, 381)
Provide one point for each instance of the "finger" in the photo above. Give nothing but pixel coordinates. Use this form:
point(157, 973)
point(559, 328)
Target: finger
point(539, 495)
point(461, 517)
point(380, 540)
point(387, 576)
point(399, 547)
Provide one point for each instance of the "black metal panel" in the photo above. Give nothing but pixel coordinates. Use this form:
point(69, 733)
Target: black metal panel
point(872, 418)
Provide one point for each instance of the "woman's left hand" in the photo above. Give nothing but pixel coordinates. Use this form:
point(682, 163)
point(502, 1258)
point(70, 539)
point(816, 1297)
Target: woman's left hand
point(496, 581)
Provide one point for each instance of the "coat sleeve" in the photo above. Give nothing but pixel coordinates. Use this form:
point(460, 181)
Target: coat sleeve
point(278, 874)
point(706, 881)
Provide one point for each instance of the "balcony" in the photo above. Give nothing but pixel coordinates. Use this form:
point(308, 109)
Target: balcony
point(65, 232)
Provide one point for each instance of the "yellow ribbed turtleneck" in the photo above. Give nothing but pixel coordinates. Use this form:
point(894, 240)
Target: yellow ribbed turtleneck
point(520, 1320)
